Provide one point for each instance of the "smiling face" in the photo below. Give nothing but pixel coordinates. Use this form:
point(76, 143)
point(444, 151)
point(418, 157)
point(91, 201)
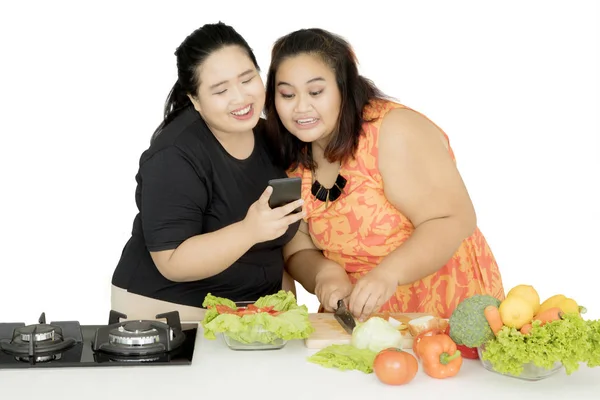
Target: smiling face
point(231, 93)
point(307, 98)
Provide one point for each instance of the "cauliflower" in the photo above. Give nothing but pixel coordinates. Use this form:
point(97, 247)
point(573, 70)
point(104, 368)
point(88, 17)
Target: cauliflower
point(468, 325)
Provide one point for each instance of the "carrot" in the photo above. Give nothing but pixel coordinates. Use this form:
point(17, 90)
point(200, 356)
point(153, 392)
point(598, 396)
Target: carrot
point(525, 329)
point(492, 315)
point(551, 314)
point(548, 315)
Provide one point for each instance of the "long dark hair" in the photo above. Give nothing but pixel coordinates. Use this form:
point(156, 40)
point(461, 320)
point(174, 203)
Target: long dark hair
point(356, 92)
point(190, 54)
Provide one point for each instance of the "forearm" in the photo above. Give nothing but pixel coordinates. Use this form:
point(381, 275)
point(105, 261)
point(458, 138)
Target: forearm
point(305, 265)
point(428, 249)
point(208, 254)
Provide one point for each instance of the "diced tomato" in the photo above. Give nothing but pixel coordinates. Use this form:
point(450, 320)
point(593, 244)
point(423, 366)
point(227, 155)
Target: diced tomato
point(241, 311)
point(222, 309)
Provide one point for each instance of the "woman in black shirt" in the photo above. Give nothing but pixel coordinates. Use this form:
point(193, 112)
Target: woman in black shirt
point(204, 224)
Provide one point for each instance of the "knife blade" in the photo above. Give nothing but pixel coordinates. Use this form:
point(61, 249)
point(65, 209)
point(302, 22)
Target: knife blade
point(344, 317)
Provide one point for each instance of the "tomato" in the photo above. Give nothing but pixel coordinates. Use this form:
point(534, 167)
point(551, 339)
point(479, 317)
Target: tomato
point(394, 366)
point(241, 311)
point(221, 309)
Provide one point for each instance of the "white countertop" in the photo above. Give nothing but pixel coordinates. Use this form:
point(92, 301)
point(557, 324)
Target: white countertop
point(220, 373)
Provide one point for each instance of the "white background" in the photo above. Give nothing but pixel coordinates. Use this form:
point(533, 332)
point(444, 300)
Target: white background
point(515, 84)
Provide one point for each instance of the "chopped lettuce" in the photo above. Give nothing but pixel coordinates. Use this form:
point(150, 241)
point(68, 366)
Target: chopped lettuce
point(344, 357)
point(569, 341)
point(290, 323)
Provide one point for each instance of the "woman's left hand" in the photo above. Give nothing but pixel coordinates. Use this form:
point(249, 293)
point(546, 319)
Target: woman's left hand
point(371, 291)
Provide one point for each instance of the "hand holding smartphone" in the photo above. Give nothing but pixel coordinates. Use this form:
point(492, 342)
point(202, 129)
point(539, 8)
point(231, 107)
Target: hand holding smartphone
point(277, 208)
point(285, 191)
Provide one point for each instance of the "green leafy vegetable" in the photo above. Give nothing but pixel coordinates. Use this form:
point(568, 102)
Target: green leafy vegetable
point(468, 325)
point(570, 341)
point(376, 334)
point(344, 357)
point(291, 321)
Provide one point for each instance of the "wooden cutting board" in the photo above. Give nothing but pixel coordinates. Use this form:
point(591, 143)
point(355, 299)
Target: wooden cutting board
point(328, 331)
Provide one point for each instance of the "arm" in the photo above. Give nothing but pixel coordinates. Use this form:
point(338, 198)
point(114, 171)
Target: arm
point(288, 284)
point(305, 263)
point(204, 255)
point(422, 181)
point(174, 198)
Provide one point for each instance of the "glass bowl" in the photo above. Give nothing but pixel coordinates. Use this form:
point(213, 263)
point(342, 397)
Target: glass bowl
point(531, 372)
point(233, 344)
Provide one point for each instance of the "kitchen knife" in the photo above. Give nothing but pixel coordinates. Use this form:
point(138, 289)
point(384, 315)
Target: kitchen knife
point(344, 317)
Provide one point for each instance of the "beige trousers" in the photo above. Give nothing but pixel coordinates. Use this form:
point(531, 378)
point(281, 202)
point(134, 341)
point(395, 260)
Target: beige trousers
point(142, 307)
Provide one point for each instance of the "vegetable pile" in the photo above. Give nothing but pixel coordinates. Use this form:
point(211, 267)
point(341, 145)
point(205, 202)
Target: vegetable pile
point(570, 340)
point(376, 347)
point(520, 331)
point(270, 318)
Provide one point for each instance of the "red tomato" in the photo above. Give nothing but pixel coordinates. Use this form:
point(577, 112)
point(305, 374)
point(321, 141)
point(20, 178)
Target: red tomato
point(395, 367)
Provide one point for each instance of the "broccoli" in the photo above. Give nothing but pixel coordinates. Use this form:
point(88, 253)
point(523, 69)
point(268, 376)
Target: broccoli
point(468, 325)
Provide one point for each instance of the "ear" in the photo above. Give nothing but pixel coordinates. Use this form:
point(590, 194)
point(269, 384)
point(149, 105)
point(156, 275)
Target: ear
point(195, 102)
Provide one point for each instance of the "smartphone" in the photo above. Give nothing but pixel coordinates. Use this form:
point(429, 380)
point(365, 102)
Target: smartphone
point(285, 190)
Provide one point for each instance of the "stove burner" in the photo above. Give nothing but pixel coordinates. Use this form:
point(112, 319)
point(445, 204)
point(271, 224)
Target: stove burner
point(40, 342)
point(134, 341)
point(39, 359)
point(134, 333)
point(40, 332)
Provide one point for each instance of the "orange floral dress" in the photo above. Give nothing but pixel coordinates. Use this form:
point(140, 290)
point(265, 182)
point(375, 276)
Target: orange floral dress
point(361, 227)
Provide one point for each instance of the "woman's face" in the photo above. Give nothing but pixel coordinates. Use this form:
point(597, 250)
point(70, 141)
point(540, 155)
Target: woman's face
point(307, 98)
point(231, 93)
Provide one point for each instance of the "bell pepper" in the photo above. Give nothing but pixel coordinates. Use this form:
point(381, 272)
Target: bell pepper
point(465, 352)
point(468, 352)
point(441, 359)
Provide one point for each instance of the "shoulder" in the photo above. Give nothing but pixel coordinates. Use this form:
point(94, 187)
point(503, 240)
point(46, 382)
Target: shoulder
point(405, 124)
point(184, 138)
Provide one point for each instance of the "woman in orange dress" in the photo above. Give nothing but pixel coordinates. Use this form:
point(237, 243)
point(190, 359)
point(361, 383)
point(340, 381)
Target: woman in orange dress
point(389, 224)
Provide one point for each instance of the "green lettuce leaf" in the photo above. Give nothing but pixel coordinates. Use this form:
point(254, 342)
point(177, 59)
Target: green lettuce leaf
point(291, 323)
point(593, 358)
point(344, 357)
point(570, 341)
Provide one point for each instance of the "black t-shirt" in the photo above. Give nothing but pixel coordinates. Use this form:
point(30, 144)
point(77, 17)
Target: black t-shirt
point(187, 185)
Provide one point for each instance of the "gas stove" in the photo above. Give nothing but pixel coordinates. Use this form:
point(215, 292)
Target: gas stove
point(120, 343)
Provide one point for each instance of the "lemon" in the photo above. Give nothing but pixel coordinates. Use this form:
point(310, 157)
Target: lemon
point(569, 306)
point(515, 312)
point(527, 293)
point(552, 302)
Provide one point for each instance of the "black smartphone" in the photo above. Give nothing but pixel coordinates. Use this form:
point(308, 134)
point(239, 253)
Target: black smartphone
point(285, 190)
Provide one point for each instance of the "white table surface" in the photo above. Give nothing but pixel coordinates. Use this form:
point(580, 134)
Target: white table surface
point(220, 373)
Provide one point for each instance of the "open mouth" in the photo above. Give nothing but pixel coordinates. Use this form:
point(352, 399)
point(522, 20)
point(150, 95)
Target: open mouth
point(241, 112)
point(306, 123)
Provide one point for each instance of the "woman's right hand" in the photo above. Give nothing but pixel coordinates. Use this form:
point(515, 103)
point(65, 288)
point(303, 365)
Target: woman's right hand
point(332, 285)
point(265, 223)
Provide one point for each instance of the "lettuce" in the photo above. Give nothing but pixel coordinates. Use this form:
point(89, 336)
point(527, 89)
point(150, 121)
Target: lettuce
point(345, 357)
point(570, 341)
point(291, 323)
point(376, 334)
